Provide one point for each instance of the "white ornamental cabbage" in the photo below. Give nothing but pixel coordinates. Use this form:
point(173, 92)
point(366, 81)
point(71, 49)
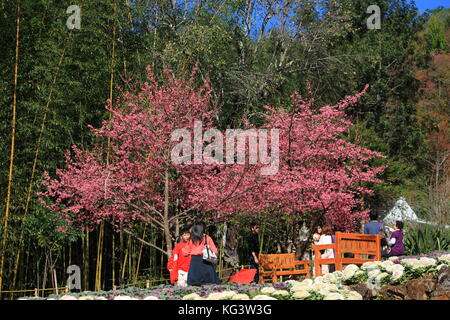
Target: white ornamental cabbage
point(298, 287)
point(307, 282)
point(324, 291)
point(386, 264)
point(445, 258)
point(349, 271)
point(151, 298)
point(86, 298)
point(68, 297)
point(381, 278)
point(216, 296)
point(318, 279)
point(301, 295)
point(191, 296)
point(367, 265)
point(337, 274)
point(318, 286)
point(396, 276)
point(409, 262)
point(282, 293)
point(334, 296)
point(228, 294)
point(329, 277)
point(427, 262)
point(393, 259)
point(124, 298)
point(264, 297)
point(331, 287)
point(267, 290)
point(353, 295)
point(240, 296)
point(395, 267)
point(373, 273)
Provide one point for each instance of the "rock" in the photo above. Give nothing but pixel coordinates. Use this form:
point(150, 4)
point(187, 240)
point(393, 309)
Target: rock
point(442, 291)
point(391, 292)
point(366, 289)
point(420, 289)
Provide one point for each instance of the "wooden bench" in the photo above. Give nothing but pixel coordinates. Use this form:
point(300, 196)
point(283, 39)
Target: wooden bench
point(348, 243)
point(272, 266)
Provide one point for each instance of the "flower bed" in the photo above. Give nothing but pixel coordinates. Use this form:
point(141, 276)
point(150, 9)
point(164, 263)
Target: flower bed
point(331, 286)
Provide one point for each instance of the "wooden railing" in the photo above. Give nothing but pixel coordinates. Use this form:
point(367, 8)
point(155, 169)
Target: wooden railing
point(272, 266)
point(346, 244)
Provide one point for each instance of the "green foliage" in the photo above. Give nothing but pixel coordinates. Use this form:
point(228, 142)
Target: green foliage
point(420, 239)
point(435, 35)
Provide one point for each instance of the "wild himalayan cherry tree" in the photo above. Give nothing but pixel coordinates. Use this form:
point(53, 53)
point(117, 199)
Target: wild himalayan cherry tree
point(318, 170)
point(140, 182)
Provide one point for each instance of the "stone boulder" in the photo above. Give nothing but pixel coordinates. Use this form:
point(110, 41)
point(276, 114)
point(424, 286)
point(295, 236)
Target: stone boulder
point(442, 291)
point(393, 292)
point(420, 289)
point(366, 289)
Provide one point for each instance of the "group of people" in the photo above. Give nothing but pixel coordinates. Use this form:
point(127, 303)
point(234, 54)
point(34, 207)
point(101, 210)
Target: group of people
point(392, 247)
point(186, 264)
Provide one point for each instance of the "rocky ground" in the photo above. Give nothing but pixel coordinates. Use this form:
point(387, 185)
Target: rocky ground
point(425, 288)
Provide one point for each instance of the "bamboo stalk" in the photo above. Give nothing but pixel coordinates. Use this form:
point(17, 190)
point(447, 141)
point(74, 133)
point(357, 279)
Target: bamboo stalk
point(98, 267)
point(130, 259)
point(125, 259)
point(11, 159)
point(36, 155)
point(113, 259)
point(86, 261)
point(140, 255)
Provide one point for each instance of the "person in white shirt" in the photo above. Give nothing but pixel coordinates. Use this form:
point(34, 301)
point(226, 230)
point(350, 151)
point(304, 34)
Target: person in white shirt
point(325, 238)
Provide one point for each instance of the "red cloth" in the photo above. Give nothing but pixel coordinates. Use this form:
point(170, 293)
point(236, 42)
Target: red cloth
point(195, 249)
point(181, 263)
point(244, 276)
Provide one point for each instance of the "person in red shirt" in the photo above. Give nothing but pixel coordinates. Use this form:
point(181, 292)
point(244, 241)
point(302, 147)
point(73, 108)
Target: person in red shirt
point(200, 271)
point(178, 264)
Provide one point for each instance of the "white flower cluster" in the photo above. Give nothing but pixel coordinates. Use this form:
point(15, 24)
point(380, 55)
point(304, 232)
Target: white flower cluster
point(327, 287)
point(331, 286)
point(444, 259)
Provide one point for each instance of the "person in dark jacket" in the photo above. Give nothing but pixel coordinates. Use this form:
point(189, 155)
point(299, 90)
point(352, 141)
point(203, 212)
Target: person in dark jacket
point(396, 245)
point(253, 244)
point(375, 227)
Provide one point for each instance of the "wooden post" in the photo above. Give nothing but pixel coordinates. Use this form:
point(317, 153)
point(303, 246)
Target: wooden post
point(147, 284)
point(378, 255)
point(317, 266)
point(56, 281)
point(36, 292)
point(337, 252)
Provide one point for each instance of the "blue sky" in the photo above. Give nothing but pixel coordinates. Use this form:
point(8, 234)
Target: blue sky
point(423, 5)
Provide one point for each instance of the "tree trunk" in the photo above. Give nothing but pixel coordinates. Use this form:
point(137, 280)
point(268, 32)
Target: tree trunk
point(166, 230)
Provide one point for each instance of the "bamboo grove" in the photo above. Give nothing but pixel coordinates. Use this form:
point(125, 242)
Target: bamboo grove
point(55, 81)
